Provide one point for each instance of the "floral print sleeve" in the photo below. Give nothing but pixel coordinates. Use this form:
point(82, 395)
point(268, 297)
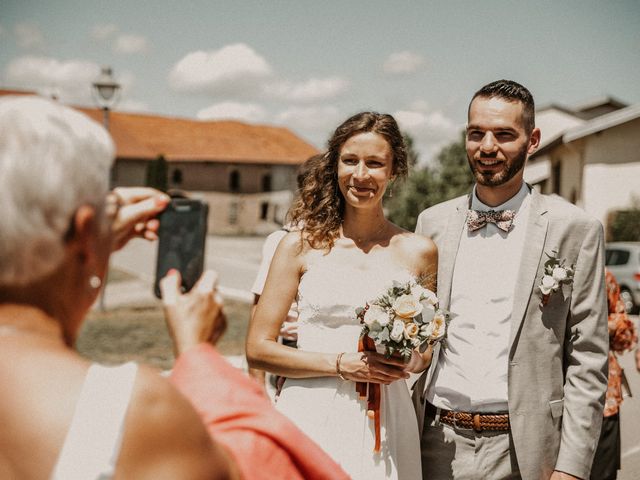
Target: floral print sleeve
point(622, 337)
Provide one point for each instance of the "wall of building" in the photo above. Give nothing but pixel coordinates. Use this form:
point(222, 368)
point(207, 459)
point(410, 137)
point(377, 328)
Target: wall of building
point(249, 210)
point(610, 187)
point(245, 214)
point(219, 177)
point(612, 170)
point(130, 173)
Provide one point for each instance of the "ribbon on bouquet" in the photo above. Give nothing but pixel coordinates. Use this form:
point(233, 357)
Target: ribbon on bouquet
point(371, 391)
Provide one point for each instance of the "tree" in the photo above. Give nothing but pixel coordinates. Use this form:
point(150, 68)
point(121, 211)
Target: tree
point(157, 174)
point(625, 226)
point(448, 178)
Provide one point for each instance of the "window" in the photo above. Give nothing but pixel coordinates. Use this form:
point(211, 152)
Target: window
point(266, 183)
point(176, 176)
point(616, 257)
point(264, 210)
point(233, 213)
point(234, 181)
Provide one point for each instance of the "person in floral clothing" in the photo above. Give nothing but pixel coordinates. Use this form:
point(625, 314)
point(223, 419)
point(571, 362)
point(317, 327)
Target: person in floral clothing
point(622, 337)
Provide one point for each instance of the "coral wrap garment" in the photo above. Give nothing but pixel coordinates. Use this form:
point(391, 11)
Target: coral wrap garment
point(238, 415)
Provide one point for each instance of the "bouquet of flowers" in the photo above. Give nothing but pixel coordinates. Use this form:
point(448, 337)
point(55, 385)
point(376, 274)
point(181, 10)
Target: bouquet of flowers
point(403, 318)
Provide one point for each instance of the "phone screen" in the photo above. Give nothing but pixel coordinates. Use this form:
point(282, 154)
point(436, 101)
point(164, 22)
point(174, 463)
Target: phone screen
point(182, 237)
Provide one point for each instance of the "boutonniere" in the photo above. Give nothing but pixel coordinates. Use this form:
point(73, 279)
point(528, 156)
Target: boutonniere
point(555, 274)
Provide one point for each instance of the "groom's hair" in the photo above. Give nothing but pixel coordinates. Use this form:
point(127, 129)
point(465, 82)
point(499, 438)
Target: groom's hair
point(513, 92)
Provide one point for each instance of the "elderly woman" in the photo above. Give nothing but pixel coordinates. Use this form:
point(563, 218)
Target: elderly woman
point(63, 417)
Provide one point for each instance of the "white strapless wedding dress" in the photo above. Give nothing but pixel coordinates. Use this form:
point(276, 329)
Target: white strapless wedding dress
point(327, 408)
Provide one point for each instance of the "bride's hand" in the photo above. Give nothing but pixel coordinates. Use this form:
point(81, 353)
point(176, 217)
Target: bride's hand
point(372, 367)
point(419, 361)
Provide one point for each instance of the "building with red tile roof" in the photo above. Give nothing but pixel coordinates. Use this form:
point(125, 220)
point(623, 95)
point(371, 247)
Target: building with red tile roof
point(246, 172)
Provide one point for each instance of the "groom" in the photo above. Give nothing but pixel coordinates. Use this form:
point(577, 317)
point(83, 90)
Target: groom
point(518, 390)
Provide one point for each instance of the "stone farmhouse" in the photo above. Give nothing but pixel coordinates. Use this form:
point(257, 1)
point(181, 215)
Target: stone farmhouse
point(246, 172)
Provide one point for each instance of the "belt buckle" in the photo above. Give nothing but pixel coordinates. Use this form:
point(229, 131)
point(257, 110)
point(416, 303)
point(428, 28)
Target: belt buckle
point(455, 424)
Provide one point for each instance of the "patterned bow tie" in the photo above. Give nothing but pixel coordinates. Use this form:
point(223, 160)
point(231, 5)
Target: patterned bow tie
point(477, 219)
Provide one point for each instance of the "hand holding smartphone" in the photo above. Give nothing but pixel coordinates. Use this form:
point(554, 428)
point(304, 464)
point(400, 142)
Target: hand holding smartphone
point(182, 237)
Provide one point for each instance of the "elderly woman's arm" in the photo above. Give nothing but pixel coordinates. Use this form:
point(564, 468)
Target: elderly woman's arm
point(233, 407)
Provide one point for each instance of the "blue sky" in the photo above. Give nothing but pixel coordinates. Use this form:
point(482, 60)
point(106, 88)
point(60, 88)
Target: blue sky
point(308, 65)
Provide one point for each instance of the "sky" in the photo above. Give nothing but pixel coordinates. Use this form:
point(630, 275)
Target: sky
point(308, 64)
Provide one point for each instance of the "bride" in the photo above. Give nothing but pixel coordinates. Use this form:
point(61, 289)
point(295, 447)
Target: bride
point(346, 254)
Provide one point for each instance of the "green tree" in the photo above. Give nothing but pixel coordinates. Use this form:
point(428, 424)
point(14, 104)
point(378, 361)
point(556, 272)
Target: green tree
point(429, 185)
point(157, 174)
point(625, 226)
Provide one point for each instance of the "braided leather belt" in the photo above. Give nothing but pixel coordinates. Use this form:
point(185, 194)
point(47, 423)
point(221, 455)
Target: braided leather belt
point(496, 422)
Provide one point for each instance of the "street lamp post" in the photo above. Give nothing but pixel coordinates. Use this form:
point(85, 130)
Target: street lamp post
point(106, 91)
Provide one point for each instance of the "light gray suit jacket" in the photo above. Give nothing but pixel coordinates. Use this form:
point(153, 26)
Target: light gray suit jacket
point(557, 374)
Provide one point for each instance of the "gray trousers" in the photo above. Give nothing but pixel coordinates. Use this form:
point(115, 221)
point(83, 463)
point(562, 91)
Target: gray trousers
point(449, 453)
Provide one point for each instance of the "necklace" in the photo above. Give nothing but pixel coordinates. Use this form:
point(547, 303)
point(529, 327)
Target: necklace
point(373, 236)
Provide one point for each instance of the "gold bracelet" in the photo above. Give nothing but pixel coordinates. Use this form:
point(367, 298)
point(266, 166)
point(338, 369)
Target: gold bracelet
point(338, 371)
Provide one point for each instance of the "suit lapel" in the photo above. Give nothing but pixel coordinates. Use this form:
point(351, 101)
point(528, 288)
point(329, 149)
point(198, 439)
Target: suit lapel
point(449, 250)
point(532, 251)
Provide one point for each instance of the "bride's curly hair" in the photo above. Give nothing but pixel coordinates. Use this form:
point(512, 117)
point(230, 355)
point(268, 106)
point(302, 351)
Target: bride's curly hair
point(319, 205)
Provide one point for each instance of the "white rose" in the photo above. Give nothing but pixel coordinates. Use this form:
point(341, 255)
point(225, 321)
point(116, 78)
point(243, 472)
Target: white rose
point(376, 317)
point(407, 307)
point(549, 284)
point(427, 313)
point(410, 330)
point(436, 329)
point(397, 332)
point(559, 274)
point(429, 298)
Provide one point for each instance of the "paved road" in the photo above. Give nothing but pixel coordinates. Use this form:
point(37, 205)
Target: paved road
point(235, 258)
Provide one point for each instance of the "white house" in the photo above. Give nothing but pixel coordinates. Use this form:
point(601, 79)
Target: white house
point(589, 155)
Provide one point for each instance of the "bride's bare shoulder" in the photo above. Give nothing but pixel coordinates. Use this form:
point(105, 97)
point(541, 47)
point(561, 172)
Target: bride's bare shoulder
point(415, 245)
point(417, 253)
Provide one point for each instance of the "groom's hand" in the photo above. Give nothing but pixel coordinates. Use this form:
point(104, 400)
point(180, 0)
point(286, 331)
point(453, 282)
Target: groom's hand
point(556, 475)
point(372, 367)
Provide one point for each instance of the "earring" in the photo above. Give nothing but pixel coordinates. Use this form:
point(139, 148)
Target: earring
point(391, 191)
point(95, 282)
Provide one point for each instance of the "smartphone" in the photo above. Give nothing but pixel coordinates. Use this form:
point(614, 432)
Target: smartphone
point(182, 237)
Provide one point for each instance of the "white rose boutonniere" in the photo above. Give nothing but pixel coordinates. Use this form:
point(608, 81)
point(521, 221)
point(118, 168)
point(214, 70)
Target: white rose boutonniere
point(556, 273)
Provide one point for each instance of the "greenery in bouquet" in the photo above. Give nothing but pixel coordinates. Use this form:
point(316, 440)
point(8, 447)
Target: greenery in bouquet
point(404, 318)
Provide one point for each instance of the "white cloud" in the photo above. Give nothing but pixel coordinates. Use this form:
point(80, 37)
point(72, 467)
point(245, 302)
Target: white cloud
point(248, 112)
point(103, 32)
point(312, 119)
point(29, 36)
point(69, 80)
point(430, 130)
point(131, 43)
point(312, 90)
point(234, 70)
point(403, 63)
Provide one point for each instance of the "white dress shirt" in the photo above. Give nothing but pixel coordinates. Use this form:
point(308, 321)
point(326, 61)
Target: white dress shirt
point(471, 373)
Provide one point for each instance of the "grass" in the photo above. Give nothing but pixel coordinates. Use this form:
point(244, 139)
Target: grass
point(140, 334)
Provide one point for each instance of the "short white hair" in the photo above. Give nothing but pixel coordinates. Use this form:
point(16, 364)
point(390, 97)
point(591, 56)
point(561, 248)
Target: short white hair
point(53, 159)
